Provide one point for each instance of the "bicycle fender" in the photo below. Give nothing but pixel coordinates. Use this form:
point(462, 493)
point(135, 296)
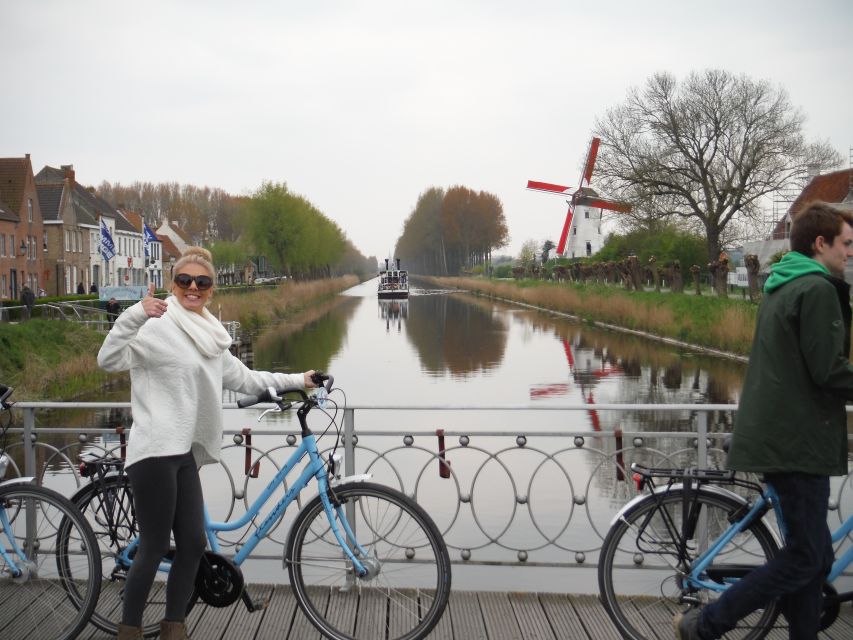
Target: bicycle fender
point(708, 488)
point(22, 480)
point(361, 477)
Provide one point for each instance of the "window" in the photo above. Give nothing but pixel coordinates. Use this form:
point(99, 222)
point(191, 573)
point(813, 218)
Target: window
point(30, 209)
point(2, 245)
point(586, 214)
point(44, 240)
point(588, 249)
point(67, 241)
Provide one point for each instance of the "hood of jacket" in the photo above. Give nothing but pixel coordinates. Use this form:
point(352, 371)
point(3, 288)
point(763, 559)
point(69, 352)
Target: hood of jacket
point(793, 265)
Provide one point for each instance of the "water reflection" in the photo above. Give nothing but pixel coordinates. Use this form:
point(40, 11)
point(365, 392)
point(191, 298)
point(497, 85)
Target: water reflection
point(393, 312)
point(456, 334)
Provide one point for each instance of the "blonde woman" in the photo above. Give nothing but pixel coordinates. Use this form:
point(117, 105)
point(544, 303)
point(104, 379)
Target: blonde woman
point(179, 362)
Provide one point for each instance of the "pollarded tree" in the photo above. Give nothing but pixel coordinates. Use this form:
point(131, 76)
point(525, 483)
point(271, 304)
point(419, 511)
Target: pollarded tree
point(706, 150)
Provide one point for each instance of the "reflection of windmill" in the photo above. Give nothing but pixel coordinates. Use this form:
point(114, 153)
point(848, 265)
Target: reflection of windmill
point(581, 235)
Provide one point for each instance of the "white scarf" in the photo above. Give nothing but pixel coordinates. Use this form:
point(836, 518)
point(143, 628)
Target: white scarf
point(208, 334)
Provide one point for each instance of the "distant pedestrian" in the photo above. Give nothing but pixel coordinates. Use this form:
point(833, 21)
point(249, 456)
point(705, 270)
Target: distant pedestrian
point(113, 309)
point(93, 288)
point(28, 299)
point(80, 288)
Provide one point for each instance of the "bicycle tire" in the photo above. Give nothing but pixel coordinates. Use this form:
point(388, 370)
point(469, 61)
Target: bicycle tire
point(403, 599)
point(108, 507)
point(639, 585)
point(55, 595)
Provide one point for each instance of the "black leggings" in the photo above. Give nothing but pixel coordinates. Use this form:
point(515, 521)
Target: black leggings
point(167, 497)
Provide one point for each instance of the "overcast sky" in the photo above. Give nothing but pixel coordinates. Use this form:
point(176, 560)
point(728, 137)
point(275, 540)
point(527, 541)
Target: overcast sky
point(362, 106)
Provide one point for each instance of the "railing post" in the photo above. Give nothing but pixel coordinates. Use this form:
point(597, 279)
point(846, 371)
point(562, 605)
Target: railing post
point(702, 444)
point(29, 445)
point(349, 445)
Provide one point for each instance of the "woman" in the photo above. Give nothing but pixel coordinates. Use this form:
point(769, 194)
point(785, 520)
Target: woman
point(179, 362)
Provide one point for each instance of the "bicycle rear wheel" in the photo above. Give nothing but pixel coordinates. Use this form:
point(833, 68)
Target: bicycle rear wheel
point(640, 574)
point(108, 507)
point(57, 588)
point(407, 588)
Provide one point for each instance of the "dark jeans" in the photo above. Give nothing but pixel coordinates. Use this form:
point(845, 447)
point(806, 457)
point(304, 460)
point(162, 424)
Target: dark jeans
point(795, 576)
point(168, 499)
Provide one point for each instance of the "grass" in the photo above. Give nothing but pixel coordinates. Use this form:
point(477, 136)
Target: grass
point(50, 359)
point(709, 321)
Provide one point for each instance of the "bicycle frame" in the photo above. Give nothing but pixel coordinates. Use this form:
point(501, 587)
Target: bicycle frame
point(768, 498)
point(316, 469)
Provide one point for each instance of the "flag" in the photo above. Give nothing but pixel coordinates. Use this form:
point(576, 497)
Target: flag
point(147, 236)
point(107, 249)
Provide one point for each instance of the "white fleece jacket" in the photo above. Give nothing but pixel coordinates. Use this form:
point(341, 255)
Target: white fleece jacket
point(176, 392)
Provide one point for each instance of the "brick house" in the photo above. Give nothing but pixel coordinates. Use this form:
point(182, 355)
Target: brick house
point(22, 238)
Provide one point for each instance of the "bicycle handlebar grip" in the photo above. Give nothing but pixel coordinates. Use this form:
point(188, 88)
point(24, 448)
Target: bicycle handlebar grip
point(247, 401)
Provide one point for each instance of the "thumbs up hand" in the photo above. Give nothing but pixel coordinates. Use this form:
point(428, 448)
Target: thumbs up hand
point(154, 307)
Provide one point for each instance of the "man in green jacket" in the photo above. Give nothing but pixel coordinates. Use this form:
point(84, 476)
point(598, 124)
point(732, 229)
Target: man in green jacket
point(791, 424)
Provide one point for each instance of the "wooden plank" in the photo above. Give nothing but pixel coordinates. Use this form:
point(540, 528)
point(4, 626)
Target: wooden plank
point(302, 627)
point(564, 619)
point(595, 619)
point(277, 619)
point(466, 616)
point(245, 623)
point(372, 608)
point(213, 622)
point(443, 630)
point(498, 616)
point(531, 617)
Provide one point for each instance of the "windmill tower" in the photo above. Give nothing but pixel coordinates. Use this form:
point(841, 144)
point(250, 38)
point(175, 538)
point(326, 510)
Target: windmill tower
point(581, 235)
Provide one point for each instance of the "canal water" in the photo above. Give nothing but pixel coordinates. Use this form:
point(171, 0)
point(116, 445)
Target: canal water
point(449, 349)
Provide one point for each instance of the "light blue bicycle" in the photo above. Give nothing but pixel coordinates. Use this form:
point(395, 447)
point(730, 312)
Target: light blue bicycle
point(356, 547)
point(686, 540)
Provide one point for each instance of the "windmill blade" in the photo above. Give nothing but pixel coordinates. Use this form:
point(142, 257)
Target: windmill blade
point(567, 225)
point(548, 187)
point(610, 205)
point(591, 155)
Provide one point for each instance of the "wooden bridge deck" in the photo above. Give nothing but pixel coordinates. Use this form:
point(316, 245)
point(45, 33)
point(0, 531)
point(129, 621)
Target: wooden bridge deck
point(482, 615)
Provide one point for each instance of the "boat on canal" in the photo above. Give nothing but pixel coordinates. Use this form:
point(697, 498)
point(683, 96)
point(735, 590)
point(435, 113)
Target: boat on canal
point(393, 282)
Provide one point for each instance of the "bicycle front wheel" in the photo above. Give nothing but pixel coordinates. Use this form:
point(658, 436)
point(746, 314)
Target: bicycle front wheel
point(406, 590)
point(640, 570)
point(47, 589)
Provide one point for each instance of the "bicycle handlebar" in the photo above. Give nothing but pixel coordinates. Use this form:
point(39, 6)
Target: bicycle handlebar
point(272, 395)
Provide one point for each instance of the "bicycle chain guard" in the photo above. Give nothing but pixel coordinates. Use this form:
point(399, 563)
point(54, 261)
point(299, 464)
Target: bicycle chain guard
point(219, 581)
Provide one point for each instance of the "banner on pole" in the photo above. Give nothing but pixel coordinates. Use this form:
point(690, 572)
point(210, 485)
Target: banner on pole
point(107, 247)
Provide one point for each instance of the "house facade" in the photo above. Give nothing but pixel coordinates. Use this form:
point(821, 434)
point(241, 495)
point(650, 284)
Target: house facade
point(835, 187)
point(22, 238)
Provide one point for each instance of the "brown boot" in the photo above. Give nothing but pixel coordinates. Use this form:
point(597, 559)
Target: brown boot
point(173, 630)
point(126, 632)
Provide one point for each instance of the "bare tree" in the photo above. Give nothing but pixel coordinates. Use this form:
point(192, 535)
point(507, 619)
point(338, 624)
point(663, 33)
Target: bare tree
point(707, 150)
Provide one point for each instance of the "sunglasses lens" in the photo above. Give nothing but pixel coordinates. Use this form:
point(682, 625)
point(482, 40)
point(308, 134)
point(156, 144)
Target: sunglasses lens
point(203, 282)
point(183, 280)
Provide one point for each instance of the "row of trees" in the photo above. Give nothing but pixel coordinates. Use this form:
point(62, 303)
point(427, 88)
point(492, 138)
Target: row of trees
point(452, 231)
point(296, 238)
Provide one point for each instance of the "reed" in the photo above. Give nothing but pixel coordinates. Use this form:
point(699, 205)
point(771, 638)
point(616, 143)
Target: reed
point(708, 321)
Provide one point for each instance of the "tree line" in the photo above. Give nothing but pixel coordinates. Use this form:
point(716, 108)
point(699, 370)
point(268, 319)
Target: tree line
point(295, 237)
point(452, 231)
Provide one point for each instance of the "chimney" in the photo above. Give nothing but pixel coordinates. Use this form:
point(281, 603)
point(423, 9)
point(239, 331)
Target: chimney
point(68, 170)
point(398, 264)
point(386, 264)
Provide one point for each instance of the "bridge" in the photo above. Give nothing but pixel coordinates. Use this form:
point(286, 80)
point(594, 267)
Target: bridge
point(523, 509)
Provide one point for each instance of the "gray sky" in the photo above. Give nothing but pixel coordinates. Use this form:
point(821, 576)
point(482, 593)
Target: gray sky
point(362, 106)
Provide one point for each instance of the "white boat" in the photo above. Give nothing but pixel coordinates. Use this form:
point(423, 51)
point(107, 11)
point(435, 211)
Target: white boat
point(393, 283)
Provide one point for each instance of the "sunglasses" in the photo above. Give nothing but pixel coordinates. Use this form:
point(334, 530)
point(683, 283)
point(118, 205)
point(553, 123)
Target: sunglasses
point(184, 280)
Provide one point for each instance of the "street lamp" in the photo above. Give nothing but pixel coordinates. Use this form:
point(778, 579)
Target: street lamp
point(23, 250)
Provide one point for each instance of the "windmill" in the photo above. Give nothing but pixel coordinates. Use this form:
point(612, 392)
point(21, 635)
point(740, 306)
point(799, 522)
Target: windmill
point(582, 227)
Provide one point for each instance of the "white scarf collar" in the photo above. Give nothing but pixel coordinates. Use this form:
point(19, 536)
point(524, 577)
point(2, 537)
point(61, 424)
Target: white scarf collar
point(208, 334)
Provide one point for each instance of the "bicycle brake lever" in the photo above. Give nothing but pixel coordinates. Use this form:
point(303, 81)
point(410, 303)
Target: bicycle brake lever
point(266, 411)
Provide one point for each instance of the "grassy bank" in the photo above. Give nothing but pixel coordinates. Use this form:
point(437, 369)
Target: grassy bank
point(54, 360)
point(708, 321)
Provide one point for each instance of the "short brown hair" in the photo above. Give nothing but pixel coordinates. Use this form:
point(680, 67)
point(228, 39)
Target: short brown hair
point(818, 219)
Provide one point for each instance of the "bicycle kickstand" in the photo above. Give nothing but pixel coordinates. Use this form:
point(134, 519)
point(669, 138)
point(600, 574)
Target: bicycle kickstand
point(254, 605)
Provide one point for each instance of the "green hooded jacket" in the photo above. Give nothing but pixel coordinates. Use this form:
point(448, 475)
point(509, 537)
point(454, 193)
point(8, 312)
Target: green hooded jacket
point(792, 414)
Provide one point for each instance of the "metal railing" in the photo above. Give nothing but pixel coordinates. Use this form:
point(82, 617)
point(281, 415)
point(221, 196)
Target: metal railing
point(511, 497)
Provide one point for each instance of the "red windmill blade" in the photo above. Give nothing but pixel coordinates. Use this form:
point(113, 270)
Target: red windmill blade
point(580, 197)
